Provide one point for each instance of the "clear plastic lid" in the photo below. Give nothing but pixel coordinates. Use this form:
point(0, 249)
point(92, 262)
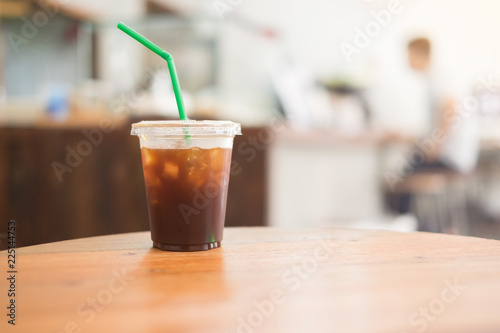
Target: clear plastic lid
point(183, 127)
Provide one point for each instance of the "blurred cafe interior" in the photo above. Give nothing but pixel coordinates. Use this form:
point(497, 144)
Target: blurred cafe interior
point(355, 114)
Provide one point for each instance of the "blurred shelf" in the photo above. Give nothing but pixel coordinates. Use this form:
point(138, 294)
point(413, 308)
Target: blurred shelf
point(15, 8)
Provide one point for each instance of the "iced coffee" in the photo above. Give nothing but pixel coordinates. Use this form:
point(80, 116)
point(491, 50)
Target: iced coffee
point(186, 167)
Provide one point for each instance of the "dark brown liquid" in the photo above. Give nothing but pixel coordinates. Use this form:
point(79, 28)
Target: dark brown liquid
point(186, 191)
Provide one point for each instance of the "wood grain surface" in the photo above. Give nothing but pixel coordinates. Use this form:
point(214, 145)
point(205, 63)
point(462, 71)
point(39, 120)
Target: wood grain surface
point(261, 280)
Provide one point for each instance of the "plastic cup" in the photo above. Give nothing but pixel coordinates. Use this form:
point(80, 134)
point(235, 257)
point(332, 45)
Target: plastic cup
point(186, 178)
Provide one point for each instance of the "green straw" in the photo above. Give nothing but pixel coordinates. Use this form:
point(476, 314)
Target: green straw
point(170, 62)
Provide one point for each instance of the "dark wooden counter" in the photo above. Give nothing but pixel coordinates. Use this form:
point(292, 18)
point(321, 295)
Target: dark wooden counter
point(104, 192)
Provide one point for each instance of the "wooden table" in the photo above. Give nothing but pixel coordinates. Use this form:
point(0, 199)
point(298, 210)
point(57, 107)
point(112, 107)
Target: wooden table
point(261, 280)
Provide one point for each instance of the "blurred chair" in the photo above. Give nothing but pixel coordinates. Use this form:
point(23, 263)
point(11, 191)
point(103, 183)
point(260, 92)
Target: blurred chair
point(438, 199)
point(487, 185)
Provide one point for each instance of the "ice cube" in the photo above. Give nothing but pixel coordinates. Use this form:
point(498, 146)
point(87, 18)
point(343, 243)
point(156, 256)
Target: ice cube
point(170, 170)
point(151, 179)
point(148, 158)
point(217, 159)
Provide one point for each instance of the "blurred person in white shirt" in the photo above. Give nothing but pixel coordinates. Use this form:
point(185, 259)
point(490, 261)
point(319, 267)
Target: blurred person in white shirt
point(446, 133)
point(450, 140)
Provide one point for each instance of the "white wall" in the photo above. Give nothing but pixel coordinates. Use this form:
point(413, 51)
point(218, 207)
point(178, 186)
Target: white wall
point(463, 31)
